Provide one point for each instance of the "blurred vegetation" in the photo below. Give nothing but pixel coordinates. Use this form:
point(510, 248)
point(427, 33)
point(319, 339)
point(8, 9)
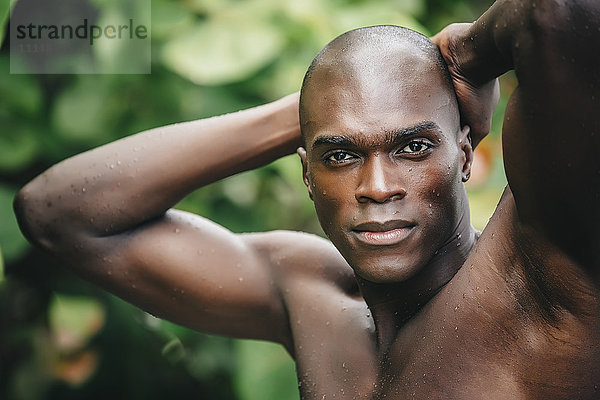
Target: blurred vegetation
point(61, 338)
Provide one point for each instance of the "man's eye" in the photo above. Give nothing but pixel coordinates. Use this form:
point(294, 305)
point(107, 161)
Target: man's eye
point(339, 156)
point(415, 147)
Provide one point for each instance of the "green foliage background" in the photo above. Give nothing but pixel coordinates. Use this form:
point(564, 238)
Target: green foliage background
point(61, 338)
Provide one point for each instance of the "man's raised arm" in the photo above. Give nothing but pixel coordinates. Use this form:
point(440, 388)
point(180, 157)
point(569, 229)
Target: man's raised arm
point(106, 213)
point(551, 133)
point(118, 186)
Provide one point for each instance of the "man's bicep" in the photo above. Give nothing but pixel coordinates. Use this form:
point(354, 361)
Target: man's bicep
point(551, 134)
point(194, 272)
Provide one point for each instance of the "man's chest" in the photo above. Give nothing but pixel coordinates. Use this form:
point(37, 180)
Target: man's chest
point(346, 364)
point(461, 346)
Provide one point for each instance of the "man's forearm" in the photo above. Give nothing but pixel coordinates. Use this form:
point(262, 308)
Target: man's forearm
point(122, 184)
point(492, 44)
point(524, 35)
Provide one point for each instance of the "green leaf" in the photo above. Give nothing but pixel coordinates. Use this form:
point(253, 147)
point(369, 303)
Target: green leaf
point(74, 320)
point(1, 266)
point(174, 350)
point(18, 145)
point(11, 239)
point(266, 372)
point(367, 14)
point(169, 18)
point(19, 93)
point(80, 112)
point(128, 54)
point(5, 8)
point(220, 52)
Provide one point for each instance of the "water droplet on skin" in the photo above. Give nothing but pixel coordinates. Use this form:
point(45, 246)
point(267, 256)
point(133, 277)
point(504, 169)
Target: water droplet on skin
point(83, 189)
point(429, 205)
point(220, 286)
point(240, 279)
point(176, 230)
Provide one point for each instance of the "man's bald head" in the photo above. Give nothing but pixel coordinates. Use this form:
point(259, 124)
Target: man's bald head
point(386, 62)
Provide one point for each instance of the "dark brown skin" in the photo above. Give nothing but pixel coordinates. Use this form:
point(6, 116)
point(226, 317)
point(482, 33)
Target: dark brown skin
point(425, 310)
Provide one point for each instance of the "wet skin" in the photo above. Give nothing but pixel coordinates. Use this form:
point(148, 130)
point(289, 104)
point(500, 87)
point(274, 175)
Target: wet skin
point(405, 301)
point(384, 163)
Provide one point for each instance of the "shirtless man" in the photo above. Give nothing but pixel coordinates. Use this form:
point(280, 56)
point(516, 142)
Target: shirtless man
point(404, 302)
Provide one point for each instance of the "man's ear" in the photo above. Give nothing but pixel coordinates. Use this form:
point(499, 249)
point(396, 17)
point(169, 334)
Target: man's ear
point(302, 153)
point(466, 146)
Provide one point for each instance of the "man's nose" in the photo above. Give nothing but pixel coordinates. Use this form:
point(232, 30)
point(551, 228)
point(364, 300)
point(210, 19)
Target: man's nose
point(380, 181)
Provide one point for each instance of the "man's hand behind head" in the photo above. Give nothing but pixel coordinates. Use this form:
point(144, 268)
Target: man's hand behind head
point(477, 100)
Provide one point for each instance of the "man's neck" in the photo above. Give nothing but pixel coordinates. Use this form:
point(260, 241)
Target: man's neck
point(393, 304)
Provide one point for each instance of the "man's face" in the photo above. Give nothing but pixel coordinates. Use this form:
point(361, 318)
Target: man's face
point(384, 164)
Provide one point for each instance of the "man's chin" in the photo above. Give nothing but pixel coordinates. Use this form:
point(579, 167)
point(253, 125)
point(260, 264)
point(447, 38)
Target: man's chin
point(387, 271)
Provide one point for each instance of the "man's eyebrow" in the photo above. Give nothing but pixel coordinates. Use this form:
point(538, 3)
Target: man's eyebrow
point(401, 134)
point(342, 141)
point(391, 136)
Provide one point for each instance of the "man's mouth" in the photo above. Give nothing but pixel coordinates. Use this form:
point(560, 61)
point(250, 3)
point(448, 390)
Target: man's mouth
point(383, 233)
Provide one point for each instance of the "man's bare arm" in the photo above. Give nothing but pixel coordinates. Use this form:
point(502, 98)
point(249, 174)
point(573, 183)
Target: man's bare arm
point(116, 187)
point(106, 213)
point(551, 133)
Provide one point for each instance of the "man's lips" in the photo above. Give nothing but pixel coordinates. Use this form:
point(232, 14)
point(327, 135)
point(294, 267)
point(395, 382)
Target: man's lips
point(383, 233)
